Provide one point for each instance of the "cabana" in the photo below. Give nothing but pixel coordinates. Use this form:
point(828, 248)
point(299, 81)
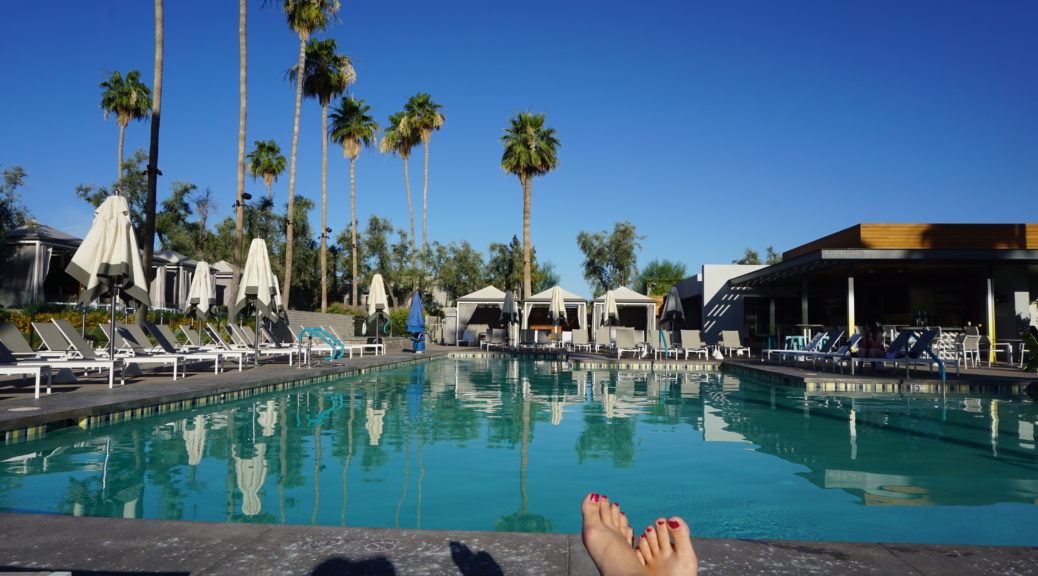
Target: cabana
point(173, 272)
point(535, 310)
point(636, 310)
point(33, 258)
point(480, 307)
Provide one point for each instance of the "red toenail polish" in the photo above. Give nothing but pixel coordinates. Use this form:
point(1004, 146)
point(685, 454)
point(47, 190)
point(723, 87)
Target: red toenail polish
point(642, 536)
point(617, 504)
point(604, 497)
point(673, 525)
point(660, 522)
point(594, 497)
point(649, 529)
point(623, 513)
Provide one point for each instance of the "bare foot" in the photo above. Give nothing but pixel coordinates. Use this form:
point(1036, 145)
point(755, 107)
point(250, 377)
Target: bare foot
point(666, 548)
point(607, 537)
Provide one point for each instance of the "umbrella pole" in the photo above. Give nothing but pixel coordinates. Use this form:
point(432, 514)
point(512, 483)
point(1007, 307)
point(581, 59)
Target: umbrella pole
point(111, 340)
point(257, 334)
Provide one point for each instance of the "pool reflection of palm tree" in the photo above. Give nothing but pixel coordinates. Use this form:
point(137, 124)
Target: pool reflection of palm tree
point(522, 520)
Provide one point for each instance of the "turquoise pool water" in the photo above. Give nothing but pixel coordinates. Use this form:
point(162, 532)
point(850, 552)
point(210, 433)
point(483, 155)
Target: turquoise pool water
point(502, 444)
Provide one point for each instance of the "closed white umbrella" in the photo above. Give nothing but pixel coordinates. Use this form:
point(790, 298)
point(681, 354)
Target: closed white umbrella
point(108, 259)
point(557, 306)
point(251, 473)
point(200, 296)
point(194, 440)
point(509, 313)
point(610, 313)
point(258, 285)
point(378, 303)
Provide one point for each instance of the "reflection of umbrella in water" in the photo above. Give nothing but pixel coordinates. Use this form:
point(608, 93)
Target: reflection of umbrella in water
point(268, 417)
point(374, 424)
point(108, 259)
point(610, 313)
point(251, 473)
point(194, 440)
point(200, 296)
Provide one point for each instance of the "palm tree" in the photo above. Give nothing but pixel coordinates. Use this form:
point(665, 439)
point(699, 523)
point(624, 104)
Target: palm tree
point(423, 115)
point(398, 141)
point(239, 206)
point(530, 150)
point(267, 162)
point(304, 17)
point(326, 75)
point(353, 127)
point(129, 99)
point(153, 156)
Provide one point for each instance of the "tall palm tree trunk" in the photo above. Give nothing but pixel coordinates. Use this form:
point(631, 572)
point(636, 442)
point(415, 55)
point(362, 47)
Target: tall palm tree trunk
point(119, 171)
point(324, 208)
point(239, 213)
point(153, 158)
point(286, 291)
point(527, 282)
point(410, 212)
point(425, 204)
point(353, 232)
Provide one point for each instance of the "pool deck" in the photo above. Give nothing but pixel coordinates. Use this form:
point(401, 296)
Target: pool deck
point(108, 546)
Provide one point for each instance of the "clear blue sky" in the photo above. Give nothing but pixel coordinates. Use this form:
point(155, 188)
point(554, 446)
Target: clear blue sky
point(711, 126)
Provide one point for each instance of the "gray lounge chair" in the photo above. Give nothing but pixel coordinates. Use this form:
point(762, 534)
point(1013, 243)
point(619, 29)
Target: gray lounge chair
point(692, 343)
point(80, 354)
point(732, 344)
point(9, 365)
point(165, 338)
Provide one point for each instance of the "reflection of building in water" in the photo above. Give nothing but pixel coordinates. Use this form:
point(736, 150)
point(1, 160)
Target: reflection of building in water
point(890, 450)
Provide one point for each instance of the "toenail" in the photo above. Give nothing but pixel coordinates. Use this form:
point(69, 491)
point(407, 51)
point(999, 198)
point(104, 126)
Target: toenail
point(623, 513)
point(660, 522)
point(649, 529)
point(642, 536)
point(673, 525)
point(617, 504)
point(594, 497)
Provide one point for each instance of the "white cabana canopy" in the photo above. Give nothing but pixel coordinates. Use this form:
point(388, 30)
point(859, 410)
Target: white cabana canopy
point(487, 297)
point(626, 299)
point(576, 304)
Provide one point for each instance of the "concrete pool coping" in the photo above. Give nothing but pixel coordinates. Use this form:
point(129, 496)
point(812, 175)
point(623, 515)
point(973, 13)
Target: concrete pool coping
point(115, 546)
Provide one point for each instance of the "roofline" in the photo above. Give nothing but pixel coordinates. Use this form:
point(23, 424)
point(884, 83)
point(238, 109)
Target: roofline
point(821, 259)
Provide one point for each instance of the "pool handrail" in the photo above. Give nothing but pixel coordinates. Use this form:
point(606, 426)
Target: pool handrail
point(338, 349)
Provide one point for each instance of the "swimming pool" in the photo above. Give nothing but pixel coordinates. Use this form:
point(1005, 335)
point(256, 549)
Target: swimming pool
point(507, 444)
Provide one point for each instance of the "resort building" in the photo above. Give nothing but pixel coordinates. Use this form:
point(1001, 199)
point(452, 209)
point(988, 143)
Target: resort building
point(948, 275)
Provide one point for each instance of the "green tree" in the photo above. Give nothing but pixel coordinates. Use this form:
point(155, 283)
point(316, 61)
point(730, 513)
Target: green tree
point(171, 223)
point(326, 75)
point(353, 128)
point(531, 150)
point(544, 276)
point(304, 18)
point(386, 258)
point(659, 275)
point(128, 99)
point(505, 265)
point(12, 212)
point(133, 186)
point(458, 269)
point(395, 140)
point(610, 258)
point(423, 115)
point(266, 162)
point(751, 256)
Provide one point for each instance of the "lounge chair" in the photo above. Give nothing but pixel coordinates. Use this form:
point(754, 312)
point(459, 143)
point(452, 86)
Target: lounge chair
point(837, 357)
point(625, 342)
point(80, 354)
point(692, 343)
point(496, 338)
point(731, 343)
point(784, 353)
point(660, 347)
point(166, 341)
point(922, 352)
point(9, 365)
point(223, 345)
point(603, 338)
point(826, 345)
point(580, 340)
point(134, 351)
point(16, 344)
point(897, 349)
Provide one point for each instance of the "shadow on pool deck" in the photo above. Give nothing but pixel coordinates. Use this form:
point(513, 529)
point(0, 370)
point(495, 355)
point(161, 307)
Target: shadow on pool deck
point(107, 546)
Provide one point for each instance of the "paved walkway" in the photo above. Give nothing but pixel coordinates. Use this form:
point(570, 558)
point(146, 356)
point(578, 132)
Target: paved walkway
point(96, 546)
